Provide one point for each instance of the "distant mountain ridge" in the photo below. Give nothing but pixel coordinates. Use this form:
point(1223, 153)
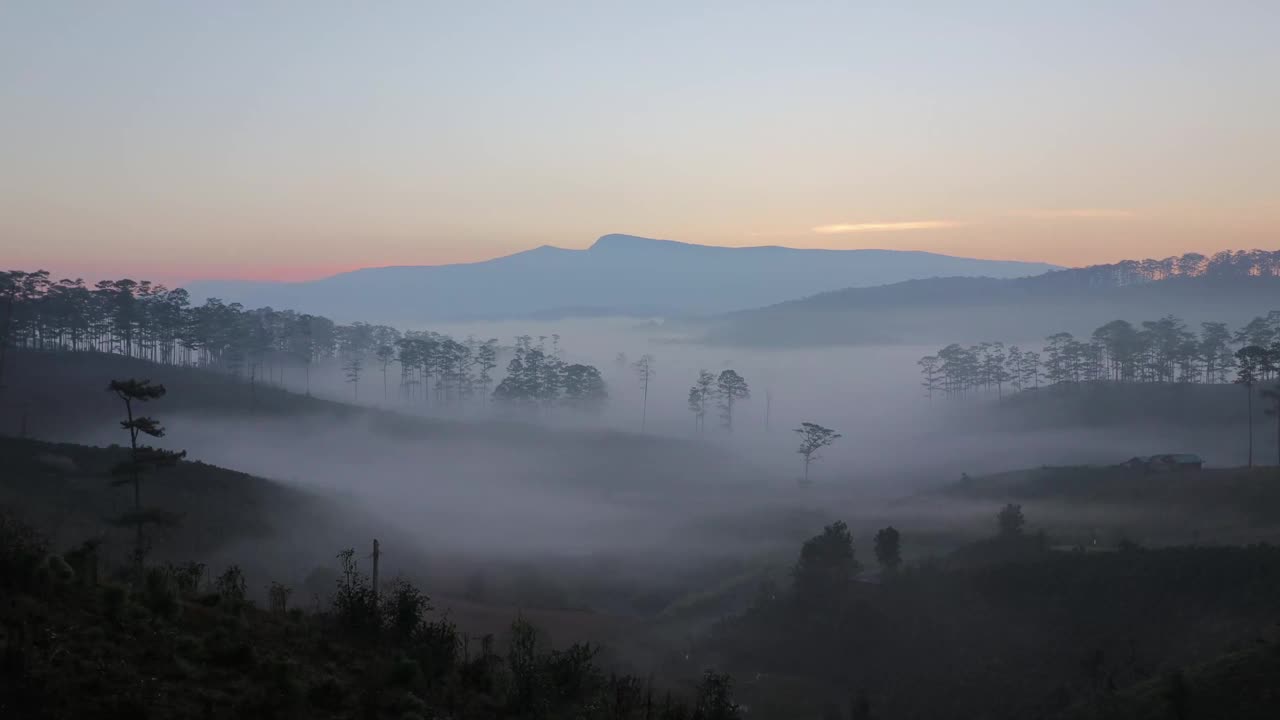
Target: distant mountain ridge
point(1223, 267)
point(1192, 285)
point(619, 274)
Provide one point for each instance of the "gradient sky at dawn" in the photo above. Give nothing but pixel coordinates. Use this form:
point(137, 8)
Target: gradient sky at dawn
point(287, 140)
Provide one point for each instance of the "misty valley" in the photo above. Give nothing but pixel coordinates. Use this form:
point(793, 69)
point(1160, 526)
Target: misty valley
point(769, 360)
point(1063, 509)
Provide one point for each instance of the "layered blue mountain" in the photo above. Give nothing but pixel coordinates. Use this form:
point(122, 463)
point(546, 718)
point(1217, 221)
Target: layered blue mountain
point(619, 274)
point(1230, 287)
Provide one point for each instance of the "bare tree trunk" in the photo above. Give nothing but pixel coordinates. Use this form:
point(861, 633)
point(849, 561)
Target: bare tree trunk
point(644, 407)
point(377, 553)
point(4, 337)
point(1249, 389)
point(137, 489)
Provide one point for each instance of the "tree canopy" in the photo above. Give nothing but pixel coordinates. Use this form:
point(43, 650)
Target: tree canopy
point(1155, 351)
point(152, 322)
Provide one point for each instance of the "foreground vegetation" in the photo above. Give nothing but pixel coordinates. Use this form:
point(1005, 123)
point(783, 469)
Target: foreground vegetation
point(169, 644)
point(1004, 628)
point(1023, 623)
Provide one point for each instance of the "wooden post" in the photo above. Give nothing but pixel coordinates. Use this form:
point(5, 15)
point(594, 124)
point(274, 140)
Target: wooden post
point(377, 551)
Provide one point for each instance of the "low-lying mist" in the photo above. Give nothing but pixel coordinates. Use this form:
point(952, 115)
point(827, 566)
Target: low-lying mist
point(592, 498)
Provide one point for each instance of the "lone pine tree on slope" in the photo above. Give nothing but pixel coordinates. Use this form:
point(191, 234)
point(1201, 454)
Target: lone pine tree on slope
point(141, 458)
point(814, 437)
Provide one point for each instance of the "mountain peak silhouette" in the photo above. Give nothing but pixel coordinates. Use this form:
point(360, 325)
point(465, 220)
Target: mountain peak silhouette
point(620, 241)
point(619, 273)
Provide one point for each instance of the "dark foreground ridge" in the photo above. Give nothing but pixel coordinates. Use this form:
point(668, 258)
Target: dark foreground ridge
point(174, 645)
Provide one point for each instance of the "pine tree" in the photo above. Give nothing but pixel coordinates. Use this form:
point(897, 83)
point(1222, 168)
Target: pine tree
point(141, 457)
point(584, 388)
point(813, 437)
point(730, 388)
point(644, 371)
point(699, 396)
point(889, 549)
point(1250, 361)
point(1273, 395)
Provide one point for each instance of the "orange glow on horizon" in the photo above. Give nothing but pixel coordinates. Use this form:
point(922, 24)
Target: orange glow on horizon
point(262, 273)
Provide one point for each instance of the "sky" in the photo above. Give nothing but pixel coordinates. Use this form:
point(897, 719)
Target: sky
point(289, 140)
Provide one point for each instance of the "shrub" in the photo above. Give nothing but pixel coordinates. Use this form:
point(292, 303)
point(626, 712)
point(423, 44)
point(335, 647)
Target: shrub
point(282, 677)
point(714, 701)
point(54, 572)
point(437, 647)
point(21, 551)
point(522, 663)
point(403, 609)
point(411, 705)
point(1011, 521)
point(231, 588)
point(403, 672)
point(278, 597)
point(115, 600)
point(572, 673)
point(826, 566)
point(160, 593)
point(326, 693)
point(230, 652)
point(186, 645)
point(84, 561)
point(356, 604)
point(186, 577)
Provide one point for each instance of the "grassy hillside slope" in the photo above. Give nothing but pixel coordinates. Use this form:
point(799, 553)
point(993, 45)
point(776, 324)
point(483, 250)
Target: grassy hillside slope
point(61, 396)
point(73, 645)
point(1105, 505)
point(1240, 684)
point(224, 516)
point(1026, 635)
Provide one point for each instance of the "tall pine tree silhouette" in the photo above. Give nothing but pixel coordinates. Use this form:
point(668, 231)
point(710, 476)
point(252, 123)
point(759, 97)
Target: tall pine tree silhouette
point(141, 459)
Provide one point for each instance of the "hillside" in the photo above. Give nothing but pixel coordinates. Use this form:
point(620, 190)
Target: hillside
point(1238, 685)
point(62, 396)
point(1108, 422)
point(619, 274)
point(1073, 300)
point(549, 518)
point(1036, 637)
point(277, 532)
point(961, 635)
point(1104, 505)
point(1104, 404)
point(80, 639)
point(65, 491)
